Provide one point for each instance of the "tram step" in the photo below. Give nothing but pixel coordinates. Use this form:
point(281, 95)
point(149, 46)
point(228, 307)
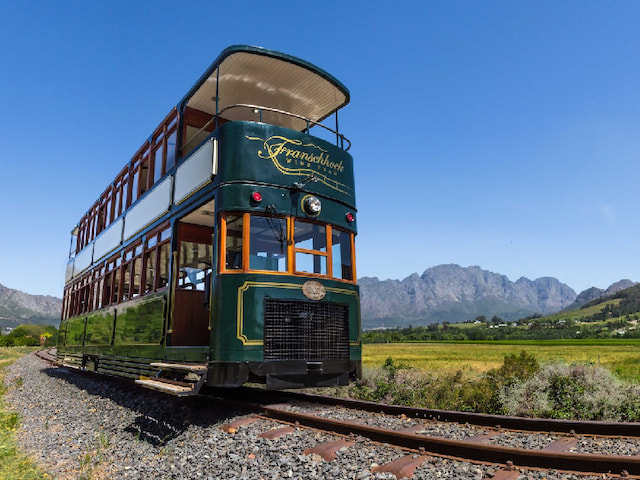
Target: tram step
point(195, 368)
point(158, 384)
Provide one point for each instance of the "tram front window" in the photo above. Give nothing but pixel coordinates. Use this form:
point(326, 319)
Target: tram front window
point(233, 240)
point(341, 254)
point(310, 243)
point(268, 244)
point(310, 236)
point(261, 243)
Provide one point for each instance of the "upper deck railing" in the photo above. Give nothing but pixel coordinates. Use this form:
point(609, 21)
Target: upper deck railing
point(259, 109)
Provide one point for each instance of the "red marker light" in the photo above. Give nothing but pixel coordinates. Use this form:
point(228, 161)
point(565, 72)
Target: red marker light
point(350, 217)
point(256, 197)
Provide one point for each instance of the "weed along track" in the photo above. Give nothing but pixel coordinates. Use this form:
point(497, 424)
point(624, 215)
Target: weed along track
point(79, 425)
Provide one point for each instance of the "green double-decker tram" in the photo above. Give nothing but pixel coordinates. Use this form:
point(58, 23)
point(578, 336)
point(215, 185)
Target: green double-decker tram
point(223, 253)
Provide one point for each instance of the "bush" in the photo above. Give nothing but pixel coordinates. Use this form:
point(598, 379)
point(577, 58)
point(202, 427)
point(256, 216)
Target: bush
point(516, 368)
point(520, 386)
point(556, 390)
point(400, 384)
point(580, 392)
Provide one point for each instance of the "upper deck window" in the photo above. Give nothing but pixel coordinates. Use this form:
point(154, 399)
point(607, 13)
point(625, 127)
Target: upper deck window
point(121, 190)
point(163, 148)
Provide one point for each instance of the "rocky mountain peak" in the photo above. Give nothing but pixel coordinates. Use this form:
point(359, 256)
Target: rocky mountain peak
point(619, 285)
point(18, 307)
point(454, 293)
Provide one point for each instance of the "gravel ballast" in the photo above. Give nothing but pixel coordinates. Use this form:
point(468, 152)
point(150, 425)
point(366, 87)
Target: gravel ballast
point(77, 425)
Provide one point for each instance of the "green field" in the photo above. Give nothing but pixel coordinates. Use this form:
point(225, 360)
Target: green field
point(622, 357)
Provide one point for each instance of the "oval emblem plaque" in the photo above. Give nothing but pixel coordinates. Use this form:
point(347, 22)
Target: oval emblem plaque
point(313, 290)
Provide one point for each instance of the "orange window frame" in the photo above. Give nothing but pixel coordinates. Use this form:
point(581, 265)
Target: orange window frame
point(223, 243)
point(327, 242)
point(291, 250)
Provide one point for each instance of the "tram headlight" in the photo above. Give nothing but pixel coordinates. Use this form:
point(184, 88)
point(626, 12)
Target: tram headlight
point(350, 217)
point(311, 205)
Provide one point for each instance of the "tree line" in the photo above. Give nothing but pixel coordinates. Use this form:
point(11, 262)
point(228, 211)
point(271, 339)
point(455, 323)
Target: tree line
point(535, 330)
point(30, 335)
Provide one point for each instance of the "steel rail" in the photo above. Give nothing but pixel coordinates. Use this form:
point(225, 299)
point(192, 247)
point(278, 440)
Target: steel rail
point(574, 462)
point(47, 355)
point(584, 427)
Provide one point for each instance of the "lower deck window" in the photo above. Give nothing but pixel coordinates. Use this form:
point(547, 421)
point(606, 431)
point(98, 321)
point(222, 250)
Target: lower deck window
point(310, 244)
point(311, 263)
point(233, 242)
point(195, 265)
point(342, 265)
point(266, 243)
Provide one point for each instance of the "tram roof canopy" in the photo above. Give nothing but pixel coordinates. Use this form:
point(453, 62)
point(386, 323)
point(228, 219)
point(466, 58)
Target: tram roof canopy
point(257, 76)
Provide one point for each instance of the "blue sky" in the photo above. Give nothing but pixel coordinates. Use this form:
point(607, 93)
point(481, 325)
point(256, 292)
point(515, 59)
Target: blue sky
point(498, 134)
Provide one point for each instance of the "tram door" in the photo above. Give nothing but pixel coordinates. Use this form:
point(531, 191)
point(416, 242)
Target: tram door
point(194, 259)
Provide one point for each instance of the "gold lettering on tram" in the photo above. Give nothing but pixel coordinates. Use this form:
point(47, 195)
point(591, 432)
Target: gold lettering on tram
point(292, 157)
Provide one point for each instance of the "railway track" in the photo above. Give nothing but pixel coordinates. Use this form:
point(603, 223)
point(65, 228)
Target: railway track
point(47, 355)
point(555, 455)
point(281, 407)
point(630, 429)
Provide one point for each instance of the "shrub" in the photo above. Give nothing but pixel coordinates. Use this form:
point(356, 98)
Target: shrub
point(520, 386)
point(582, 392)
point(399, 384)
point(516, 368)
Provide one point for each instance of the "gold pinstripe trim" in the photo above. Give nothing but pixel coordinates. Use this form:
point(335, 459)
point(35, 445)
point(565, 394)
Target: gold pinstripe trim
point(240, 335)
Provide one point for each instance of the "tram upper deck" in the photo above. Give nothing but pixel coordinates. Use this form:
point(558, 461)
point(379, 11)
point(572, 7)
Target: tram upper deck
point(267, 105)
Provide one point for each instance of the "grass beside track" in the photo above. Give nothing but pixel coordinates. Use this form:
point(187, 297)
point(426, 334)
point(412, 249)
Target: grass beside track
point(621, 357)
point(14, 465)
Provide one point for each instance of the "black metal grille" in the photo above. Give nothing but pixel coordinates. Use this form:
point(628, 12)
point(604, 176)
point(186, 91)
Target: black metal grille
point(295, 330)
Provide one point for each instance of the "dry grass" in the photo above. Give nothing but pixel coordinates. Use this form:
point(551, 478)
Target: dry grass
point(437, 357)
point(14, 465)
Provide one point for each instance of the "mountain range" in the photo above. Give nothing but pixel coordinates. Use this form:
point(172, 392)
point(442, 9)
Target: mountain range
point(18, 308)
point(445, 293)
point(592, 293)
point(453, 293)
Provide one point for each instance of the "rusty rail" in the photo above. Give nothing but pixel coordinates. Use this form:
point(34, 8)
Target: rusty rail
point(576, 462)
point(48, 355)
point(622, 429)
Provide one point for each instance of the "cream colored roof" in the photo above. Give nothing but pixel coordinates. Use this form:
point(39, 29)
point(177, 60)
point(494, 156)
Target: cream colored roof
point(265, 78)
